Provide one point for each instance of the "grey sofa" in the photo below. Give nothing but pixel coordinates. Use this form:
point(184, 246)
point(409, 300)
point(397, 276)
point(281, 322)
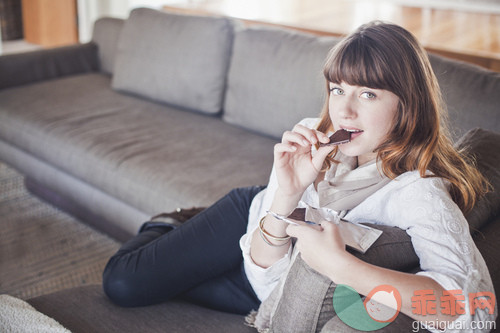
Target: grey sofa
point(162, 111)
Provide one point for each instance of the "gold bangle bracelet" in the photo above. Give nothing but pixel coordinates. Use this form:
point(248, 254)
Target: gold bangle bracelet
point(268, 242)
point(268, 235)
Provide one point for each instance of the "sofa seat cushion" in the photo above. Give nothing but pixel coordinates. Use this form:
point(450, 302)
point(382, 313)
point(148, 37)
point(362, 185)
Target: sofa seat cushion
point(87, 309)
point(151, 156)
point(177, 59)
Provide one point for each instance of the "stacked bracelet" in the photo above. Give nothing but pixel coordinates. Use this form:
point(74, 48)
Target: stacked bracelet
point(266, 235)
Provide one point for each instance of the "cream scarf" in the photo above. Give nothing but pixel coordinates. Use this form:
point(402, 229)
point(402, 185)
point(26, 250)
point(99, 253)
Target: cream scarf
point(346, 185)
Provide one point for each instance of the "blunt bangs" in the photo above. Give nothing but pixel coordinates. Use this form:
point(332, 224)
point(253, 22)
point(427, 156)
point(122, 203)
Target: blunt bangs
point(359, 60)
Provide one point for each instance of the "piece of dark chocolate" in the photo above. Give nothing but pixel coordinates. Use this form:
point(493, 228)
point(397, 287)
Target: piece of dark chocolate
point(337, 138)
point(298, 214)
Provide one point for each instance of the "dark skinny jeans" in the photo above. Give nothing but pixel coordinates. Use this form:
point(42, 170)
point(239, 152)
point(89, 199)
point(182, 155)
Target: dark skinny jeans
point(199, 261)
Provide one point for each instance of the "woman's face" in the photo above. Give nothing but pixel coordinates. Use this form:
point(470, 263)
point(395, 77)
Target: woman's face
point(367, 112)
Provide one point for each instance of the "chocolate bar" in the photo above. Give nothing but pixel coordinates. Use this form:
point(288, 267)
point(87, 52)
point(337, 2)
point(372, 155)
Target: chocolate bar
point(337, 138)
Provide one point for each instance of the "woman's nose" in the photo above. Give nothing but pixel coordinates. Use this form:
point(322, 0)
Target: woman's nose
point(347, 109)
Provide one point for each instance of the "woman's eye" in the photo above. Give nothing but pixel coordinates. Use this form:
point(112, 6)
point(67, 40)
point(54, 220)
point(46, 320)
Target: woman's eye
point(337, 91)
point(368, 95)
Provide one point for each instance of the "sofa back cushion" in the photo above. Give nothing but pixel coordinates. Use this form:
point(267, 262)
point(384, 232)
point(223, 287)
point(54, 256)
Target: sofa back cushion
point(105, 34)
point(275, 79)
point(471, 94)
point(177, 59)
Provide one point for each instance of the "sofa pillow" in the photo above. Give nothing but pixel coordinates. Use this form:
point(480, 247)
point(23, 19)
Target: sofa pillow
point(306, 299)
point(177, 59)
point(392, 250)
point(484, 147)
point(275, 79)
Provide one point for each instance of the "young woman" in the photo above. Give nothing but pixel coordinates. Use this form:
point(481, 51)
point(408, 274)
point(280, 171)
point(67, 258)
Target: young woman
point(398, 169)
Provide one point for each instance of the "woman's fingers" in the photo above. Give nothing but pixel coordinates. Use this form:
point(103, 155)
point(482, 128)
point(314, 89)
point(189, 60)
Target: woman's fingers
point(302, 230)
point(322, 137)
point(300, 137)
point(308, 134)
point(295, 162)
point(320, 249)
point(326, 237)
point(304, 136)
point(284, 148)
point(320, 156)
point(295, 138)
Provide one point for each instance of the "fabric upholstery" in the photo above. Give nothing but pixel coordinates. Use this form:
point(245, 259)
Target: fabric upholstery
point(470, 93)
point(30, 67)
point(72, 195)
point(106, 34)
point(275, 79)
point(484, 147)
point(306, 300)
point(181, 60)
point(392, 250)
point(489, 246)
point(87, 309)
point(121, 145)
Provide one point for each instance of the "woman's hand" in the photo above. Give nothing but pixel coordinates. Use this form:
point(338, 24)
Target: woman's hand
point(295, 166)
point(322, 248)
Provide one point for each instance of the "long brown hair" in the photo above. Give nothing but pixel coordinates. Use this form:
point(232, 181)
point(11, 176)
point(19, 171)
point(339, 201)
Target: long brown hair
point(386, 56)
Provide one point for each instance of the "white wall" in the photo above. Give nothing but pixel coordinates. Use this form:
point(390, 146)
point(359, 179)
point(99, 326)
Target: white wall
point(481, 6)
point(90, 10)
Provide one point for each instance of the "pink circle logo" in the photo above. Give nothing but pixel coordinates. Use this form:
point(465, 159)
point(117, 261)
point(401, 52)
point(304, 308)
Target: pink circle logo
point(383, 303)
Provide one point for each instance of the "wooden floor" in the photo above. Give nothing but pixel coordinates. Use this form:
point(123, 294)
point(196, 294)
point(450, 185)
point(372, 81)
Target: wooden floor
point(466, 35)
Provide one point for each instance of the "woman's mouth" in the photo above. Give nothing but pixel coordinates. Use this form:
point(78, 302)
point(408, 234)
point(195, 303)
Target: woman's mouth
point(354, 132)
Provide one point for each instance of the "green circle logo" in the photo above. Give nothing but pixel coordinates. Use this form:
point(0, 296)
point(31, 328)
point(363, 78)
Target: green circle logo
point(369, 315)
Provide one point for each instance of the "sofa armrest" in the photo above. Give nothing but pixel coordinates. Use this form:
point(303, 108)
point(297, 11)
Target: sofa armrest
point(24, 68)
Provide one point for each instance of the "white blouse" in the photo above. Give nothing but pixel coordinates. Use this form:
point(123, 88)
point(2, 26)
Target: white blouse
point(421, 206)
